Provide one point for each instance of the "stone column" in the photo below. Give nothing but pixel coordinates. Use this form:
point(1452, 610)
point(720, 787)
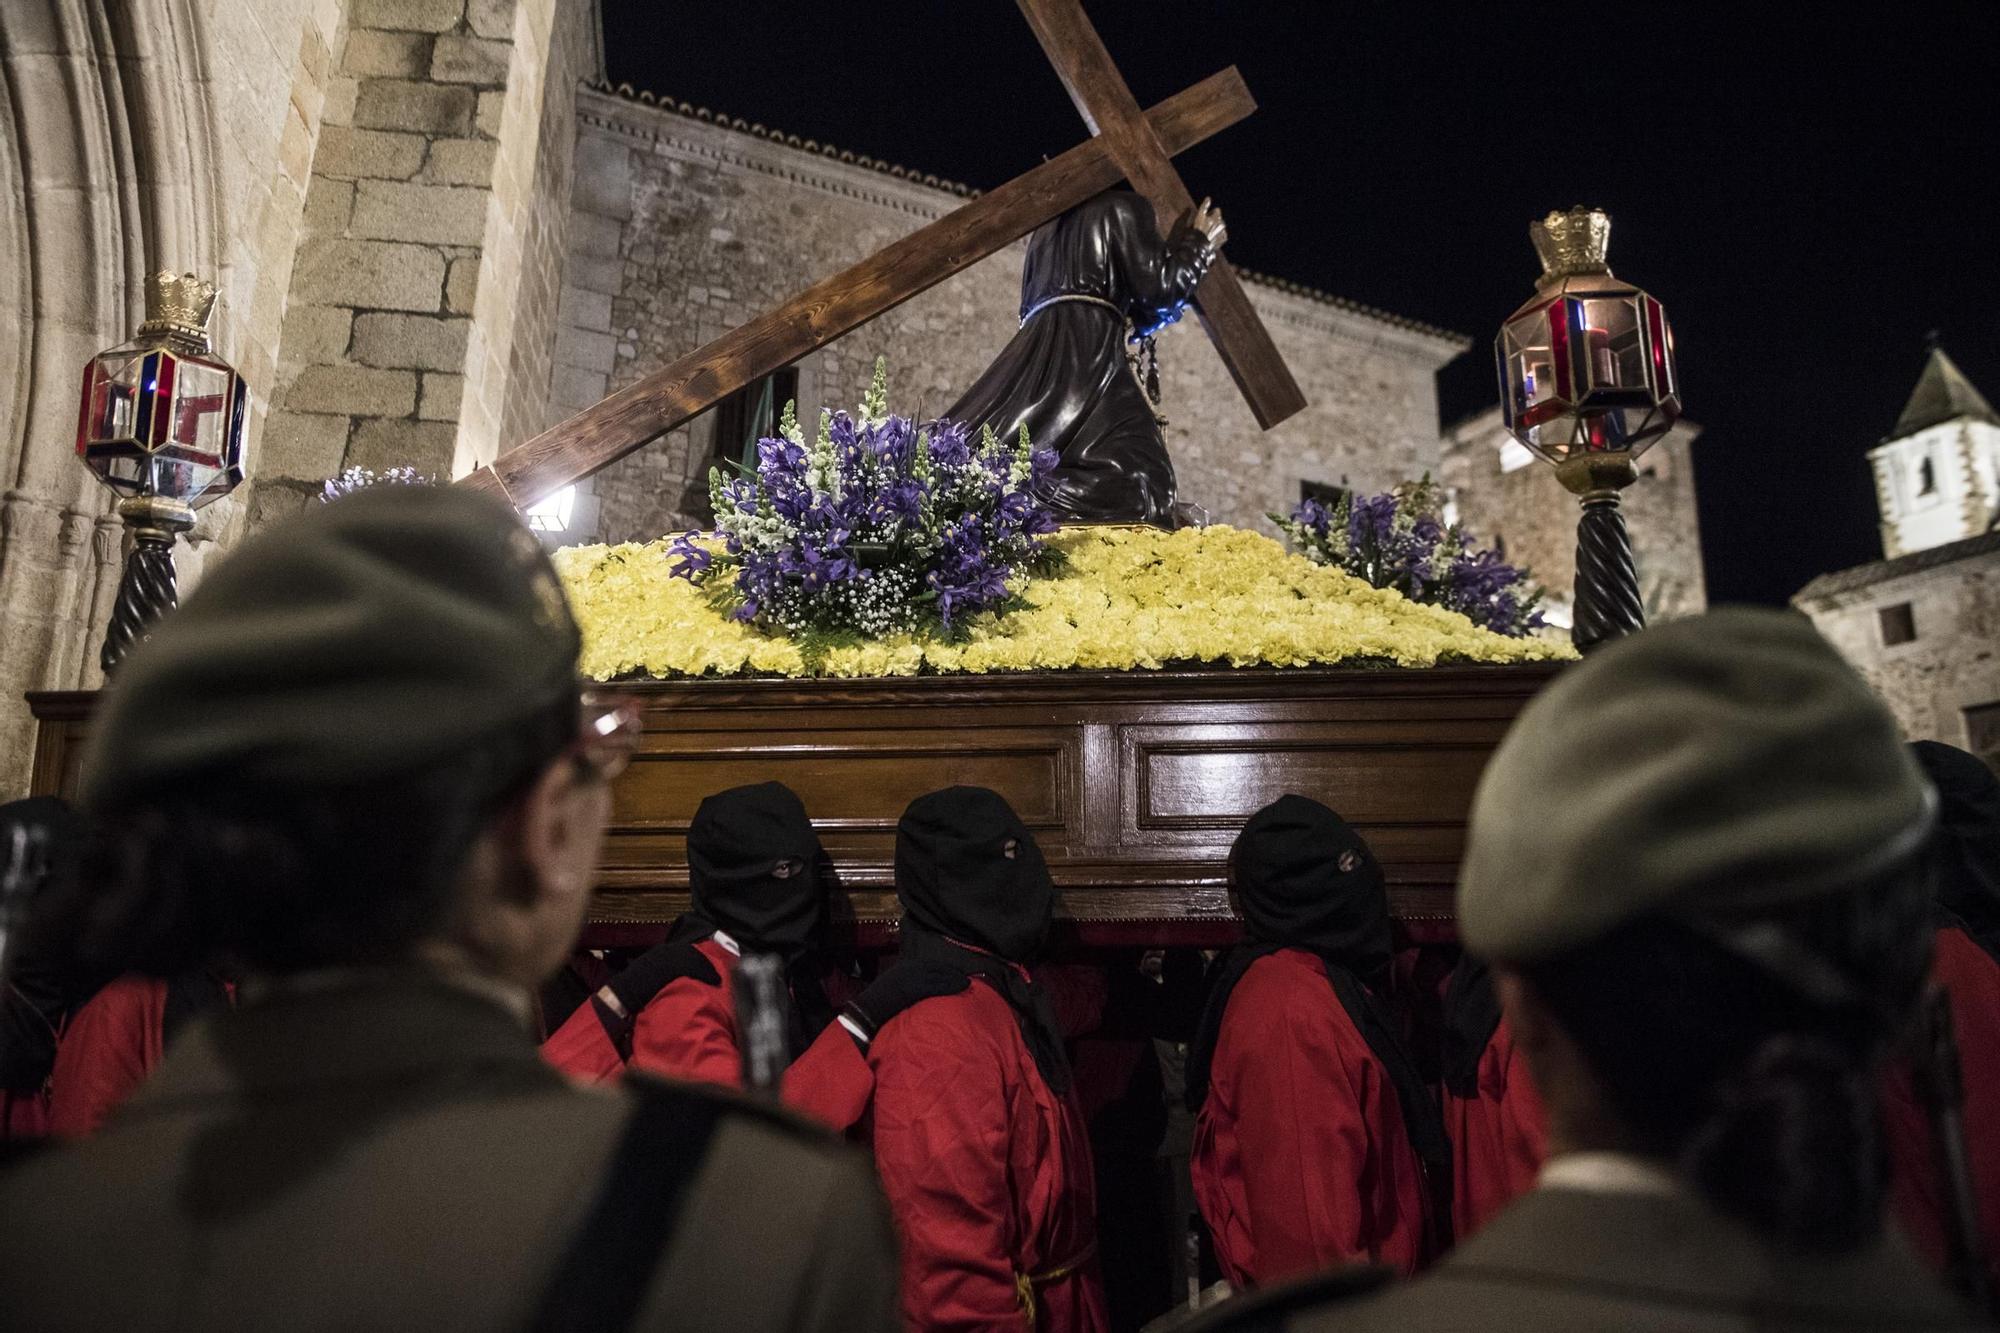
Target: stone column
point(427, 229)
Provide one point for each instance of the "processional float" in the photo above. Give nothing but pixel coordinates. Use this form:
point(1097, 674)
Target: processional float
point(1134, 782)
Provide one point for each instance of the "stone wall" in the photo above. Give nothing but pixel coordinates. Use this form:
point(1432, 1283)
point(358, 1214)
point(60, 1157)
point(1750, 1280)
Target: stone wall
point(435, 218)
point(1953, 663)
point(685, 228)
point(1507, 496)
point(174, 135)
point(379, 189)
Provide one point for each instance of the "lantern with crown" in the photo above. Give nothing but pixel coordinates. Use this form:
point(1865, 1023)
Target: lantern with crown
point(1587, 383)
point(161, 425)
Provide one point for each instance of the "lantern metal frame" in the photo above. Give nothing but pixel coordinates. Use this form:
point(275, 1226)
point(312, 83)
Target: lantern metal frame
point(141, 432)
point(1606, 412)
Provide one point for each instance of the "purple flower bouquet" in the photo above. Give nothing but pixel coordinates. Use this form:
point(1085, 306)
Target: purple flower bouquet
point(1400, 540)
point(879, 526)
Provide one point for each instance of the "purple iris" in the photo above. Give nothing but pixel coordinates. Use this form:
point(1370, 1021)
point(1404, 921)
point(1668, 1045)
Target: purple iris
point(1420, 556)
point(942, 534)
point(690, 561)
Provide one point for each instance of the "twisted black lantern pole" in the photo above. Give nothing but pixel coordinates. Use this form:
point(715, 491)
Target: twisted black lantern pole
point(1607, 599)
point(146, 590)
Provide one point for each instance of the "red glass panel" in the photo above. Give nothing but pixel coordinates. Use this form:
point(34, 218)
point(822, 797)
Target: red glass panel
point(1663, 374)
point(1559, 348)
point(160, 380)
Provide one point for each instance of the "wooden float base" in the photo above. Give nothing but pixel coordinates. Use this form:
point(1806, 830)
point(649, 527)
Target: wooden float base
point(1134, 782)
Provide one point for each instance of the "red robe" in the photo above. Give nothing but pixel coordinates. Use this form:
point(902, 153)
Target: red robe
point(23, 1116)
point(1499, 1136)
point(105, 1052)
point(1301, 1159)
point(688, 1031)
point(582, 1048)
point(987, 1171)
point(1972, 978)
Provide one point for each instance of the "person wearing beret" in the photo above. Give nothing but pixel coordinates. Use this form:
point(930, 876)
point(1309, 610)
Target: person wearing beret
point(1316, 1140)
point(1966, 861)
point(1697, 866)
point(1492, 1113)
point(356, 765)
point(977, 1133)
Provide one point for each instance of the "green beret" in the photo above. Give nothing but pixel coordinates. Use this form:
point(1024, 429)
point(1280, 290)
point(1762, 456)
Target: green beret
point(365, 638)
point(1724, 762)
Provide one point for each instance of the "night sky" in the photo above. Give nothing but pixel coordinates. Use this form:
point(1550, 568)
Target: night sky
point(1807, 189)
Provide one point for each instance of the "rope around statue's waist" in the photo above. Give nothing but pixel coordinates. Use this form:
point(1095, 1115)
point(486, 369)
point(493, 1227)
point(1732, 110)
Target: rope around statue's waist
point(1043, 304)
point(1148, 388)
point(1025, 1283)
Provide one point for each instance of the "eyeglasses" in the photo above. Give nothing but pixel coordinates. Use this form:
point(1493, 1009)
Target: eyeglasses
point(609, 735)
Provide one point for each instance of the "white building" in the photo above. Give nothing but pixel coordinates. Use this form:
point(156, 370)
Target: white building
point(1923, 624)
point(1937, 475)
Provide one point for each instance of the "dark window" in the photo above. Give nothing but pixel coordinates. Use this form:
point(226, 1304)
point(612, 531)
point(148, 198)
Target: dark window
point(1325, 492)
point(1926, 478)
point(1982, 733)
point(750, 414)
point(1898, 624)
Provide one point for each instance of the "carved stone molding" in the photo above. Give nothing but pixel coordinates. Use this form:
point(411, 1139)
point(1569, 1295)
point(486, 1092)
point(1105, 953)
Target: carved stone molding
point(106, 170)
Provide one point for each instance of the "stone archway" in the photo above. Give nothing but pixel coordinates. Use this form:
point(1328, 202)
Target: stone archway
point(106, 170)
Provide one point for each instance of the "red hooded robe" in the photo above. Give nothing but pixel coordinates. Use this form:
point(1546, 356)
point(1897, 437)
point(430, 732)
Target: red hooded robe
point(1301, 1157)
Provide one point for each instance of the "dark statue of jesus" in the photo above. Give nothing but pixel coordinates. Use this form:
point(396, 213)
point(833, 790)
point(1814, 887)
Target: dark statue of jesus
point(1095, 278)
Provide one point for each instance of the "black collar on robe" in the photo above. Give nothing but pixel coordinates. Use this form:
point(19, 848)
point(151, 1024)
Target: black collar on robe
point(1968, 840)
point(968, 872)
point(1306, 880)
point(1471, 1017)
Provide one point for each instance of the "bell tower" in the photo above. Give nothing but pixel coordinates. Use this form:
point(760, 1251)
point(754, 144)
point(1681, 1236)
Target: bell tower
point(1937, 474)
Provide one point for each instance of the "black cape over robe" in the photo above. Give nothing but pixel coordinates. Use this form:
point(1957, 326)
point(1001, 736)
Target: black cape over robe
point(1064, 375)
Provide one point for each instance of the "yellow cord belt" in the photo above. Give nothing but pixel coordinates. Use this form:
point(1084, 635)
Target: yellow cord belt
point(1025, 1283)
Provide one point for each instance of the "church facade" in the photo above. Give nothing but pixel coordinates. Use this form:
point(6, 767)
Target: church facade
point(436, 232)
point(1923, 623)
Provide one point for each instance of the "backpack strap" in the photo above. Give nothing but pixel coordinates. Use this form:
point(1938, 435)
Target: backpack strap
point(602, 1280)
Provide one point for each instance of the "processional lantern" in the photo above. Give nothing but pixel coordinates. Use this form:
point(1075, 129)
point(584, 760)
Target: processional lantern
point(161, 425)
point(1587, 383)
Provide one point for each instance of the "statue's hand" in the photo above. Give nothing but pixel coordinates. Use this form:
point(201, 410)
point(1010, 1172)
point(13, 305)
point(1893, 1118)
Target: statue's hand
point(1208, 221)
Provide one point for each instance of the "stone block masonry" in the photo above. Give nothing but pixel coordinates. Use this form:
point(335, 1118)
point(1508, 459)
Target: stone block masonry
point(1507, 496)
point(140, 137)
point(685, 229)
point(414, 268)
point(1942, 672)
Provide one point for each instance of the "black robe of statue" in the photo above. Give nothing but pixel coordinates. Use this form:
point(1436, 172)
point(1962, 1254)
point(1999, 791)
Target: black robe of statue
point(1064, 375)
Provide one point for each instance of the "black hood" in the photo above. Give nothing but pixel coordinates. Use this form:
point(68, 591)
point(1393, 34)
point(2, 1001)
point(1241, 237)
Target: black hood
point(967, 868)
point(754, 868)
point(1304, 878)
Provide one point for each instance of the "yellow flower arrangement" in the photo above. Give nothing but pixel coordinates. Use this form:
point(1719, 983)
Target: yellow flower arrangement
point(1128, 598)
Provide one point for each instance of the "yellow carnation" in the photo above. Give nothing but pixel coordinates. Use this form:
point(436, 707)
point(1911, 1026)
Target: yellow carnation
point(1128, 599)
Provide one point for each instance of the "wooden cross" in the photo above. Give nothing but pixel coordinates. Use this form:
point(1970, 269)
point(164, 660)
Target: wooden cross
point(1126, 143)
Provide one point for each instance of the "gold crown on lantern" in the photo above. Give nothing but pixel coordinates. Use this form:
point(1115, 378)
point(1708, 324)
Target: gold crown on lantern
point(178, 304)
point(1572, 242)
